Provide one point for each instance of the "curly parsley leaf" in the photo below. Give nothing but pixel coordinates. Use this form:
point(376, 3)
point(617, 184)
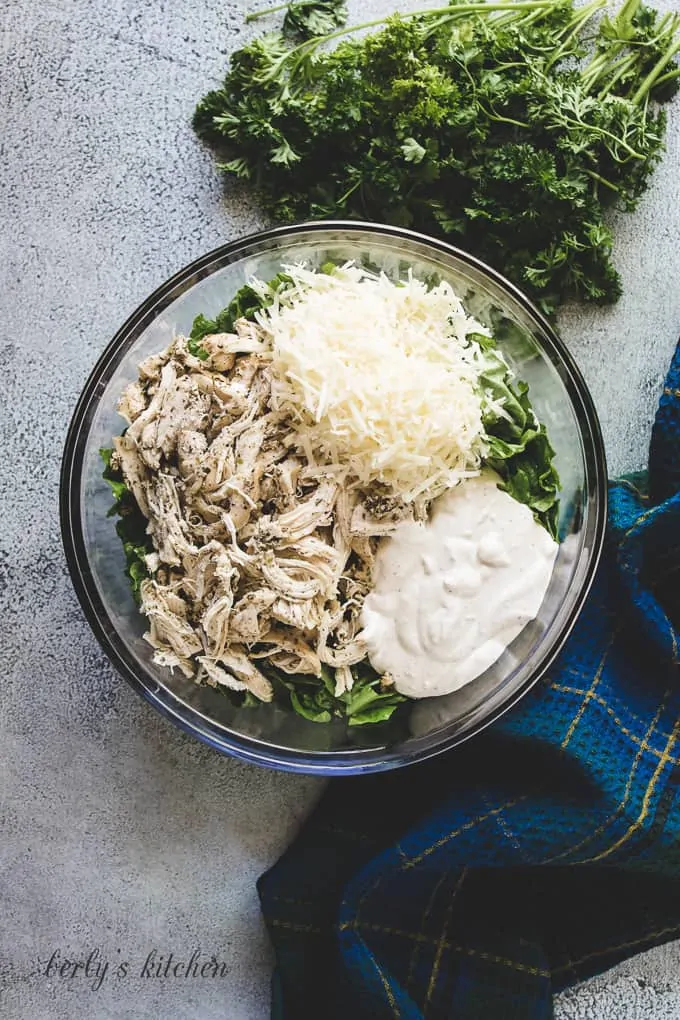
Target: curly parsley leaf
point(413, 151)
point(307, 19)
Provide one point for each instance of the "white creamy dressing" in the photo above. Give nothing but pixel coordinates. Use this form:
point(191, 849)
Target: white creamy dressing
point(449, 596)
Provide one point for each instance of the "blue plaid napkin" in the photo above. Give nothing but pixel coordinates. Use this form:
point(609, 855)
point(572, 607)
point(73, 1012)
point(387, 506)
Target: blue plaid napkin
point(545, 850)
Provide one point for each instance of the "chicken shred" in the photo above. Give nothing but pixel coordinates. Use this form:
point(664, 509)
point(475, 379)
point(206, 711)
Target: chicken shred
point(257, 562)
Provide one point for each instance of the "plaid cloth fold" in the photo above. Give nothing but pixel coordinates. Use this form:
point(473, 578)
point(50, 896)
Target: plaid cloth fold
point(543, 851)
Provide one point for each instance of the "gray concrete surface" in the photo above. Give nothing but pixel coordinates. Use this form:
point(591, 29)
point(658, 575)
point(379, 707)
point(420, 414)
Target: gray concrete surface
point(119, 835)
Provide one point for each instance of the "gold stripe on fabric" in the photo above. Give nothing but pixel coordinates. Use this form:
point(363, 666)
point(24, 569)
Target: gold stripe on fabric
point(413, 861)
point(389, 994)
point(627, 791)
point(423, 920)
point(589, 694)
point(294, 900)
point(292, 926)
point(674, 641)
point(653, 588)
point(644, 496)
point(649, 937)
point(434, 975)
point(640, 520)
point(646, 800)
point(454, 947)
point(610, 711)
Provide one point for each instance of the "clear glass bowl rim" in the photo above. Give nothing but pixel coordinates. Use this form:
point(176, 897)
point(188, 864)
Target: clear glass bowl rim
point(338, 762)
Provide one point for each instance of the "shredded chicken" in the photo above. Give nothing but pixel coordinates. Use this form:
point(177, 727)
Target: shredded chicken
point(257, 562)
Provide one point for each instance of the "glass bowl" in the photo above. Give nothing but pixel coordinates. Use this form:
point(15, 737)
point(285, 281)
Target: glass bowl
point(273, 735)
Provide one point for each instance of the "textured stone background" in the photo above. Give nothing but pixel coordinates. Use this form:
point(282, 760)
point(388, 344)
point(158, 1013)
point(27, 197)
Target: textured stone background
point(118, 832)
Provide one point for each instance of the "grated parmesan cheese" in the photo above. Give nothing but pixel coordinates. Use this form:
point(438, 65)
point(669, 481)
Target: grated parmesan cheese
point(380, 379)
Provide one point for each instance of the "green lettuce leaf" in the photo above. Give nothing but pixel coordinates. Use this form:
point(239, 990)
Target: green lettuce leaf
point(130, 527)
point(243, 305)
point(519, 448)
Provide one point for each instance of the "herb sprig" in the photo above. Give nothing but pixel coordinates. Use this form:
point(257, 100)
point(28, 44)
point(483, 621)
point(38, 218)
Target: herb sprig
point(307, 19)
point(509, 128)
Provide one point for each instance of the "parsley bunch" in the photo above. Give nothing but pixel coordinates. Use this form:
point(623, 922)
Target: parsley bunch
point(508, 128)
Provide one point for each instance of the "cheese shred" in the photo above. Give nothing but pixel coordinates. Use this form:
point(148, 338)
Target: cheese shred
point(380, 378)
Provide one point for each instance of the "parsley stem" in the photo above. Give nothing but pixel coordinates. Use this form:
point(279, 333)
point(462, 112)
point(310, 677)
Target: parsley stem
point(670, 76)
point(602, 180)
point(627, 12)
point(274, 10)
point(615, 73)
point(350, 191)
point(661, 27)
point(660, 66)
point(606, 134)
point(450, 13)
point(297, 54)
point(601, 64)
point(492, 115)
point(576, 26)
